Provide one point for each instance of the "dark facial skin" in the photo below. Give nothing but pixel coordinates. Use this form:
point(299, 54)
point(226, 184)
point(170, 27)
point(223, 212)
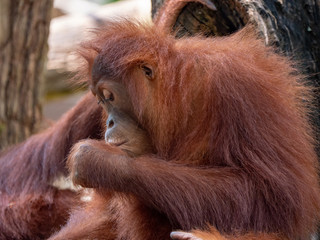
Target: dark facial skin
point(122, 130)
point(124, 136)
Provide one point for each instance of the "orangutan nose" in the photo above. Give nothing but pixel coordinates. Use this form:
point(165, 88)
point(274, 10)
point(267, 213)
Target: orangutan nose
point(110, 123)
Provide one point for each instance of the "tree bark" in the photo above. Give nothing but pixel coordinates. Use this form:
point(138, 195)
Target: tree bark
point(291, 25)
point(24, 29)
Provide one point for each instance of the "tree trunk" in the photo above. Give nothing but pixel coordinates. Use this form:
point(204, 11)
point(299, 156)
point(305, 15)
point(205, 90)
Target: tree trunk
point(292, 25)
point(24, 29)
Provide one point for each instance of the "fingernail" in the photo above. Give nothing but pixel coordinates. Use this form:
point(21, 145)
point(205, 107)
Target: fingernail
point(181, 235)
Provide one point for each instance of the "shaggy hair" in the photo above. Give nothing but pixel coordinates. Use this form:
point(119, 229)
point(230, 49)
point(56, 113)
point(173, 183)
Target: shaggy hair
point(31, 207)
point(229, 118)
point(233, 147)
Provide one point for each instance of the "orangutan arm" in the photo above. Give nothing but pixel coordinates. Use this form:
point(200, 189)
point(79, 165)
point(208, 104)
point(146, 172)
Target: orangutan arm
point(188, 196)
point(33, 162)
point(30, 207)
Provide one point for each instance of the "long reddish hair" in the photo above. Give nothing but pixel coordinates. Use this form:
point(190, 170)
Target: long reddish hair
point(223, 102)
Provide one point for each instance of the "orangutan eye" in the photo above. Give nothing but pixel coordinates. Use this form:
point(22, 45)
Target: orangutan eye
point(108, 96)
point(105, 96)
point(147, 71)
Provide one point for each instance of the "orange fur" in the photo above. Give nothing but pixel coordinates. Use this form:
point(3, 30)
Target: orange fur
point(213, 234)
point(233, 147)
point(228, 120)
point(30, 206)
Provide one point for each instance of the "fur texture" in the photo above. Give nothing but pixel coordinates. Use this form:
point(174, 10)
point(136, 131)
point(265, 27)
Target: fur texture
point(213, 234)
point(228, 120)
point(30, 206)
